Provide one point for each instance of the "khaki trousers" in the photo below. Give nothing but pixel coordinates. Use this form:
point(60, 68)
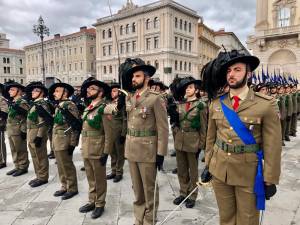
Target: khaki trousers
point(117, 158)
point(293, 130)
point(237, 204)
point(19, 152)
point(288, 128)
point(66, 171)
point(283, 128)
point(2, 148)
point(40, 160)
point(187, 172)
point(96, 176)
point(143, 177)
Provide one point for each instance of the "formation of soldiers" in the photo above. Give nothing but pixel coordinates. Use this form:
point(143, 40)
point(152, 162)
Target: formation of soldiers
point(231, 120)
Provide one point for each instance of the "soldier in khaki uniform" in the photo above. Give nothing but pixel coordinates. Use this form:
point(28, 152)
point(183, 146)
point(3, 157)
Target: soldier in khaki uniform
point(281, 101)
point(189, 140)
point(118, 125)
point(37, 132)
point(232, 162)
point(95, 142)
point(290, 110)
point(64, 139)
point(146, 140)
point(3, 118)
point(16, 128)
point(294, 94)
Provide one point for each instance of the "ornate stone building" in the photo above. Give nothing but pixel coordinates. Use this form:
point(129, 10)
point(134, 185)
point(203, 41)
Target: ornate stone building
point(276, 40)
point(70, 58)
point(207, 47)
point(12, 62)
point(163, 33)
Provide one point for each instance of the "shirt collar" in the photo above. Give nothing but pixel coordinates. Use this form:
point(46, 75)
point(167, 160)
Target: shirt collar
point(243, 95)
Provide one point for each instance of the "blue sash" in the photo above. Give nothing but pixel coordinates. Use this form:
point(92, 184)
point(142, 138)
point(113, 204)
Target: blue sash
point(247, 137)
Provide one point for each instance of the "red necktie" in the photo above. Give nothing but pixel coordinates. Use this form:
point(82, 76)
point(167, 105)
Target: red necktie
point(187, 106)
point(137, 96)
point(236, 102)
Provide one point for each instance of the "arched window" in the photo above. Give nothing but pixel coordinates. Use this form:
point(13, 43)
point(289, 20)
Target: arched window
point(121, 30)
point(110, 69)
point(109, 33)
point(185, 25)
point(103, 34)
point(147, 24)
point(180, 24)
point(190, 27)
point(155, 22)
point(104, 69)
point(176, 64)
point(176, 22)
point(127, 29)
point(184, 66)
point(133, 27)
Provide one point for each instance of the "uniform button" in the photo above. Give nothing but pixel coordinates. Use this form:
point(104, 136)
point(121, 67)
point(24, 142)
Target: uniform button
point(230, 128)
point(245, 118)
point(133, 117)
point(229, 153)
point(134, 108)
point(229, 140)
point(251, 121)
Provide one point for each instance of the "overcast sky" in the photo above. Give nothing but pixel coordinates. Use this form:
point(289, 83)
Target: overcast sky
point(66, 16)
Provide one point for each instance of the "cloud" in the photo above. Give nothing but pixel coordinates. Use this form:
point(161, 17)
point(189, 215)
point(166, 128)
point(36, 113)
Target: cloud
point(17, 17)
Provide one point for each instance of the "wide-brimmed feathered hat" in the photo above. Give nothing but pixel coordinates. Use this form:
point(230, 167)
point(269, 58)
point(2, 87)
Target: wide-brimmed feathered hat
point(130, 66)
point(158, 83)
point(98, 83)
point(52, 88)
point(36, 84)
point(214, 73)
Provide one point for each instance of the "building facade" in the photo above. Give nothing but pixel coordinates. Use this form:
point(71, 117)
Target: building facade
point(207, 47)
point(229, 40)
point(69, 58)
point(163, 33)
point(12, 62)
point(276, 40)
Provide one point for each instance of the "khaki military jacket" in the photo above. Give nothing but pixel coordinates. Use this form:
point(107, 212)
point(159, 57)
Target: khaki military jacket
point(282, 106)
point(36, 125)
point(260, 114)
point(3, 108)
point(191, 135)
point(116, 122)
point(16, 123)
point(295, 103)
point(62, 140)
point(95, 134)
point(148, 130)
point(289, 104)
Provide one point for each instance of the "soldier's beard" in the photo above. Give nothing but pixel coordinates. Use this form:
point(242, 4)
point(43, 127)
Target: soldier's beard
point(138, 86)
point(94, 96)
point(239, 84)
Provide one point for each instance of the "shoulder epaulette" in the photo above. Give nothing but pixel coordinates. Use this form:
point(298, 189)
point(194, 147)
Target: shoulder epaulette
point(267, 97)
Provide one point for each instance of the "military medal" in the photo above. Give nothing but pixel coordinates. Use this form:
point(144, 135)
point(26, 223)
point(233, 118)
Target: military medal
point(143, 111)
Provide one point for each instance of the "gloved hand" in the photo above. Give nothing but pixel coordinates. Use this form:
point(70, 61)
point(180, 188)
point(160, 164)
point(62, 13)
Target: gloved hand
point(205, 175)
point(122, 139)
point(103, 159)
point(23, 135)
point(38, 141)
point(121, 101)
point(71, 150)
point(198, 153)
point(159, 162)
point(270, 191)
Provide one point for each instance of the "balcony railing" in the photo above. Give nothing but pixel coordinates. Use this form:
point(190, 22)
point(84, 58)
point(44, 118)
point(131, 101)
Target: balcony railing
point(283, 30)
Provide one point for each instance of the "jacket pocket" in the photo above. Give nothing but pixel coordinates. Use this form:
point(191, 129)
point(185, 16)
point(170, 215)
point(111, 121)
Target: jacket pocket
point(96, 146)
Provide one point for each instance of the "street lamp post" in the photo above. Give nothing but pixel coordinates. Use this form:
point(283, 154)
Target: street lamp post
point(41, 30)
